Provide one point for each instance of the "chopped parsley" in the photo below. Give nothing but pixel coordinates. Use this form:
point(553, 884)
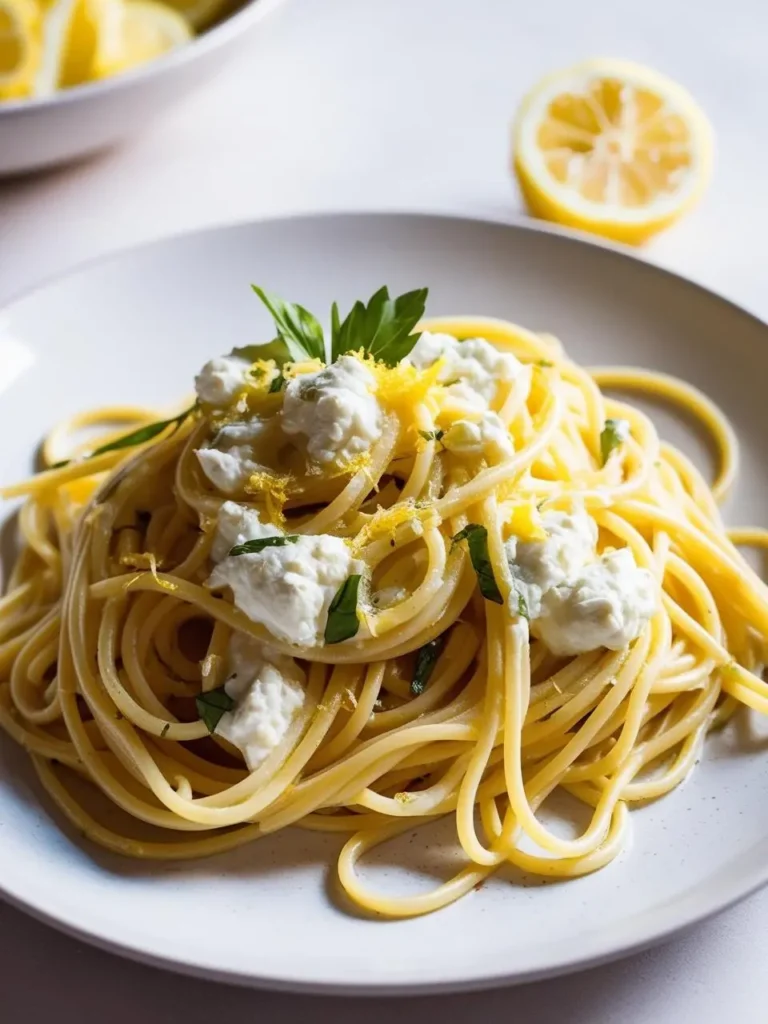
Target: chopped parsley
point(426, 660)
point(476, 537)
point(211, 706)
point(613, 434)
point(252, 547)
point(343, 622)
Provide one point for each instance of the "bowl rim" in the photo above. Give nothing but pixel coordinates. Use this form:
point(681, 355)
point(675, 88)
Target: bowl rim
point(208, 41)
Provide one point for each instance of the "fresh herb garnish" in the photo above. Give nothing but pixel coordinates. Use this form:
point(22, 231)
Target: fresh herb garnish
point(426, 660)
point(382, 329)
point(614, 433)
point(252, 547)
point(343, 622)
point(140, 436)
point(432, 435)
point(297, 328)
point(212, 705)
point(276, 384)
point(544, 363)
point(476, 537)
point(522, 607)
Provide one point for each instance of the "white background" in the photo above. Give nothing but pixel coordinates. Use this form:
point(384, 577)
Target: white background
point(404, 104)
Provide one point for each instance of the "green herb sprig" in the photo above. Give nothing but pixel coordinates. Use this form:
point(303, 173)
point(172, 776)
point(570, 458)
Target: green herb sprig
point(382, 328)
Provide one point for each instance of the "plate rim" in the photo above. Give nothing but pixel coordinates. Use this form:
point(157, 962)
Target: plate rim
point(666, 923)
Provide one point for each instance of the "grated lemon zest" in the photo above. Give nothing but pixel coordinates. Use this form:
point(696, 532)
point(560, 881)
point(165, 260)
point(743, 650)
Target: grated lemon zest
point(386, 522)
point(146, 560)
point(275, 489)
point(402, 388)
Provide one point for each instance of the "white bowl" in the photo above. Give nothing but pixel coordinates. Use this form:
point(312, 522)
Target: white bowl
point(38, 133)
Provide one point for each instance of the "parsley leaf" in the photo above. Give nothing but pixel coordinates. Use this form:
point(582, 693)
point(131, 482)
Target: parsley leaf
point(277, 350)
point(382, 328)
point(212, 705)
point(140, 436)
point(476, 537)
point(426, 660)
point(522, 607)
point(276, 384)
point(252, 547)
point(343, 622)
point(614, 433)
point(297, 328)
point(432, 435)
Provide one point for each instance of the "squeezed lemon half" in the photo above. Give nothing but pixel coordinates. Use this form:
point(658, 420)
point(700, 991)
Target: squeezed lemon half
point(611, 147)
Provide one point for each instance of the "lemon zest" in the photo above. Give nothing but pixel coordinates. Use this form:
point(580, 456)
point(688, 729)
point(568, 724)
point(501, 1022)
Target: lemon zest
point(146, 560)
point(275, 489)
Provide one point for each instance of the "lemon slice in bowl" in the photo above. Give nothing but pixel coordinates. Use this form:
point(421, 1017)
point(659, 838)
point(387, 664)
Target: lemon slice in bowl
point(611, 147)
point(144, 30)
point(19, 47)
point(71, 33)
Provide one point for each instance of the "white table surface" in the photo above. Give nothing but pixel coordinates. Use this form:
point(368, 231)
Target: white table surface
point(404, 104)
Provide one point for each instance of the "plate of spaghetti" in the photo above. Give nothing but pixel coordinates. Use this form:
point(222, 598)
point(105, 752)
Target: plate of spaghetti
point(355, 636)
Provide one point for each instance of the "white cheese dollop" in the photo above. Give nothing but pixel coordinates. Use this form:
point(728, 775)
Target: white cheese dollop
point(472, 437)
point(268, 690)
point(579, 601)
point(335, 409)
point(221, 380)
point(475, 365)
point(236, 525)
point(228, 462)
point(288, 588)
point(607, 604)
point(539, 565)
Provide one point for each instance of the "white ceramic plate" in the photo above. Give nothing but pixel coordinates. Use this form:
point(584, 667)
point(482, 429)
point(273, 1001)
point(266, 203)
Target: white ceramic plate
point(136, 327)
point(43, 132)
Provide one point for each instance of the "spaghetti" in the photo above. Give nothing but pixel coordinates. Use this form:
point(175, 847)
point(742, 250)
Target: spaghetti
point(448, 699)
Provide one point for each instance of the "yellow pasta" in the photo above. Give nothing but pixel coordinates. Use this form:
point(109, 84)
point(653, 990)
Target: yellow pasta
point(109, 632)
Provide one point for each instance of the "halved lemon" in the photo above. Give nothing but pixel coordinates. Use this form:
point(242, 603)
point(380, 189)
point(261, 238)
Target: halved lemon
point(146, 29)
point(19, 47)
point(613, 148)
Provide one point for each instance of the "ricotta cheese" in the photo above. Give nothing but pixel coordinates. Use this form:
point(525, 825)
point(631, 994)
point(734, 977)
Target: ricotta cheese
point(288, 588)
point(539, 565)
point(236, 525)
point(472, 437)
point(607, 604)
point(228, 462)
point(268, 690)
point(221, 380)
point(474, 367)
point(335, 410)
point(576, 600)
